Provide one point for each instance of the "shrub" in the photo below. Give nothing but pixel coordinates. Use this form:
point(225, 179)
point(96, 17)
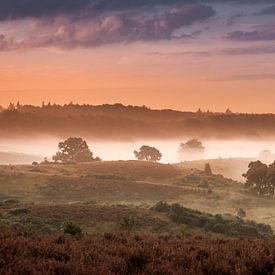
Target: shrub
point(73, 229)
point(224, 224)
point(161, 206)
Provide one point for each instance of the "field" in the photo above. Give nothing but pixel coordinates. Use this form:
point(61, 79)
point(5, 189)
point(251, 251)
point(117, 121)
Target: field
point(121, 254)
point(106, 201)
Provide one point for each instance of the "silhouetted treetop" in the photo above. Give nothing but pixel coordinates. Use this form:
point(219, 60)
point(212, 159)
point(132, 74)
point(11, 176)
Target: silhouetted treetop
point(74, 149)
point(260, 178)
point(128, 122)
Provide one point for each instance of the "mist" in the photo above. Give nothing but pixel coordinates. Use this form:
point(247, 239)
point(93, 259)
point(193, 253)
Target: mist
point(113, 150)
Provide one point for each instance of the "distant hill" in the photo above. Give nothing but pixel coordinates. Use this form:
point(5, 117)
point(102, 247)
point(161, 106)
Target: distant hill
point(130, 122)
point(18, 158)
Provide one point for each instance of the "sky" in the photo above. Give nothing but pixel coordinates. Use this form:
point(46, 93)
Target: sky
point(177, 54)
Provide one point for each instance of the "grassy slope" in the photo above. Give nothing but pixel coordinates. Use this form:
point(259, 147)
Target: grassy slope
point(136, 183)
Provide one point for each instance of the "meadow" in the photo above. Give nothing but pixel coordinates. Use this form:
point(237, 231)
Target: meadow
point(73, 218)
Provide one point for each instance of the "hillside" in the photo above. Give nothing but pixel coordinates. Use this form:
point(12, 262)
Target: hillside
point(130, 217)
point(130, 122)
point(131, 183)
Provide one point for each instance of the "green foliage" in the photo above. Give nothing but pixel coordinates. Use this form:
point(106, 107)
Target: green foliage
point(260, 178)
point(73, 229)
point(161, 206)
point(223, 224)
point(148, 153)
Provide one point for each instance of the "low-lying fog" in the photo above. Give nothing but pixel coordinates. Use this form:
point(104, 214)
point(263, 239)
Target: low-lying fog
point(47, 147)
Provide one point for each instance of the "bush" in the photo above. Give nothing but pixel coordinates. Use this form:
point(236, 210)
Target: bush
point(73, 229)
point(224, 224)
point(162, 207)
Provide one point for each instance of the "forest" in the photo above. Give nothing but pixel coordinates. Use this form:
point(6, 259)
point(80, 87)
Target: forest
point(119, 122)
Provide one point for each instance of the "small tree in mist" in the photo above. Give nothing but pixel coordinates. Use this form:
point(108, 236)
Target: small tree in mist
point(148, 153)
point(74, 150)
point(192, 149)
point(260, 178)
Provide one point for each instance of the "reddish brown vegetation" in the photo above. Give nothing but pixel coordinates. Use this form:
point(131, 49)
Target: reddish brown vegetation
point(119, 254)
point(135, 169)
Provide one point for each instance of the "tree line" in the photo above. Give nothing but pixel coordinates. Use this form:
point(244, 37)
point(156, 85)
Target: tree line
point(127, 122)
point(75, 149)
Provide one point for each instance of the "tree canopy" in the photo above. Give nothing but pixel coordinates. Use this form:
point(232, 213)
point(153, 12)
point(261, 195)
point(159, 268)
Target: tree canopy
point(74, 149)
point(148, 153)
point(192, 144)
point(192, 149)
point(260, 178)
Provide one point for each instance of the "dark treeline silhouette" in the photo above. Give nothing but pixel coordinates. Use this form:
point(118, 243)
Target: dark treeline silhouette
point(126, 122)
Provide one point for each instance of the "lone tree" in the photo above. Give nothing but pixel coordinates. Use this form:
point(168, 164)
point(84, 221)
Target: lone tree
point(260, 178)
point(191, 150)
point(148, 153)
point(74, 149)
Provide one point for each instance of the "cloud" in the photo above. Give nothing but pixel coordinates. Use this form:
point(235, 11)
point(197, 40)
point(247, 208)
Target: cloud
point(260, 33)
point(268, 11)
point(176, 54)
point(90, 30)
point(250, 50)
point(20, 9)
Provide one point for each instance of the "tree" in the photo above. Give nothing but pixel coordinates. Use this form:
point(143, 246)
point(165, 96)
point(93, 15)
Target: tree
point(148, 153)
point(260, 178)
point(74, 150)
point(191, 150)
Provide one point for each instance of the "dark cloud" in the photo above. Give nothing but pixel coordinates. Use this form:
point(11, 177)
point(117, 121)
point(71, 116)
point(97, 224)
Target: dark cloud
point(262, 33)
point(268, 11)
point(126, 27)
point(235, 16)
point(20, 9)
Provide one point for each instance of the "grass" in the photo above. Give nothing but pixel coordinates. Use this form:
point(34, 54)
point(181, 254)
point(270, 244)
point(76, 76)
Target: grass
point(132, 183)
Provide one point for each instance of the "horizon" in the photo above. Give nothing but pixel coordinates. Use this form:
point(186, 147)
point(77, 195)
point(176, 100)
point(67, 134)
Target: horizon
point(227, 111)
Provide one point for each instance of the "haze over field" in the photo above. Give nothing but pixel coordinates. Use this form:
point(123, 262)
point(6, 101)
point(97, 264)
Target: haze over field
point(114, 150)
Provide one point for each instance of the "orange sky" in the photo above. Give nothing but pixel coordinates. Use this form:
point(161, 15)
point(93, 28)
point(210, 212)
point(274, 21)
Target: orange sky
point(178, 74)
